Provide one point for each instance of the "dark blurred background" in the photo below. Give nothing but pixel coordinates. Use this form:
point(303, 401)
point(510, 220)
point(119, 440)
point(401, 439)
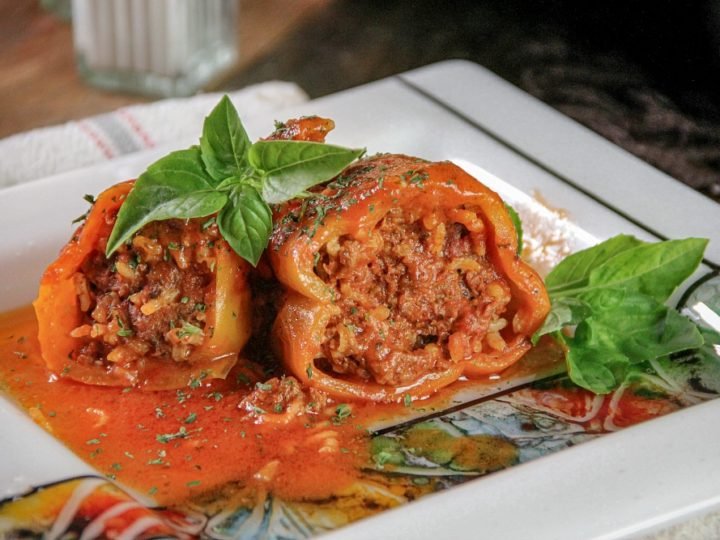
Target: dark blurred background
point(642, 74)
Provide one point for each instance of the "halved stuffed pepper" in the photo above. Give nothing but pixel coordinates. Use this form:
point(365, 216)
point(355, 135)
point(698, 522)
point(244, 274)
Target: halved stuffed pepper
point(402, 275)
point(170, 305)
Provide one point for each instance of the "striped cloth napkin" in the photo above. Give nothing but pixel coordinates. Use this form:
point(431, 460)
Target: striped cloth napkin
point(45, 151)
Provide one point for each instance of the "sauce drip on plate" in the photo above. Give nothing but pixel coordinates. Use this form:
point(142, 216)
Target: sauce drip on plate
point(173, 445)
point(216, 439)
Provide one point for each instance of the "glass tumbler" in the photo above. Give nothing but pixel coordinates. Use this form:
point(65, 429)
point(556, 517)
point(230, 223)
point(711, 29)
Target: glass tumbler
point(156, 47)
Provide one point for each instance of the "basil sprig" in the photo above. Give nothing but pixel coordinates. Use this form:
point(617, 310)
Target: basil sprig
point(614, 295)
point(229, 176)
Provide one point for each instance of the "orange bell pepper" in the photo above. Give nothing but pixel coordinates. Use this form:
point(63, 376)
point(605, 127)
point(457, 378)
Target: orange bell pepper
point(59, 313)
point(351, 209)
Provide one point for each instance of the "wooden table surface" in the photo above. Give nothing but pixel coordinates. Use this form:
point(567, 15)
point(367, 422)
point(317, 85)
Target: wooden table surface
point(40, 85)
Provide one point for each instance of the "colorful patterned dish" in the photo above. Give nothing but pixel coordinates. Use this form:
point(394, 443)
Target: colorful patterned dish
point(500, 135)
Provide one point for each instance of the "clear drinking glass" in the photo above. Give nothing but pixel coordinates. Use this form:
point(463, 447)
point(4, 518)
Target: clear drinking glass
point(159, 47)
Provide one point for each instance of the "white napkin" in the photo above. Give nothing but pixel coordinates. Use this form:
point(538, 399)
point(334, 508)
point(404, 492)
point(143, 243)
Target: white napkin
point(45, 151)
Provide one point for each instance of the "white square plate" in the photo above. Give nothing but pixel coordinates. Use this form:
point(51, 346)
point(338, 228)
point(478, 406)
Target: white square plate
point(631, 481)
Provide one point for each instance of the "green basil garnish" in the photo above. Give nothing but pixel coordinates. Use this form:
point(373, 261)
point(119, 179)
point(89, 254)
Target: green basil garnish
point(246, 222)
point(291, 167)
point(614, 295)
point(224, 143)
point(228, 176)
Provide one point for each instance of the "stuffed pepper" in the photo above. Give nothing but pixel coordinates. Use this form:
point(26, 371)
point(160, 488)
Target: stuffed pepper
point(169, 306)
point(401, 276)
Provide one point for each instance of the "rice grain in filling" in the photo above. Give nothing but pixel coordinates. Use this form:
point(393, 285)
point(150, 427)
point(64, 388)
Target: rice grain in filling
point(415, 296)
point(149, 299)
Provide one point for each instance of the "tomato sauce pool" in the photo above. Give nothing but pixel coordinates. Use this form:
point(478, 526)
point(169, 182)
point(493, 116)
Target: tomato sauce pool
point(190, 444)
point(174, 445)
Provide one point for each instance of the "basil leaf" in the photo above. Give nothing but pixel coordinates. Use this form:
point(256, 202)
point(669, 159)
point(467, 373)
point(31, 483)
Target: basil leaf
point(231, 181)
point(291, 167)
point(574, 270)
point(678, 333)
point(640, 328)
point(566, 311)
point(636, 330)
point(224, 143)
point(515, 217)
point(591, 369)
point(246, 223)
point(176, 186)
point(653, 269)
point(614, 294)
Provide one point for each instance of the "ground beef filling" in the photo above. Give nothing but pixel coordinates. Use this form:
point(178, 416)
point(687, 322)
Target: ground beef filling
point(415, 296)
point(149, 299)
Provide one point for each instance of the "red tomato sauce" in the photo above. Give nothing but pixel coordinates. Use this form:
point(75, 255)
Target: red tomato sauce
point(173, 445)
point(178, 445)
